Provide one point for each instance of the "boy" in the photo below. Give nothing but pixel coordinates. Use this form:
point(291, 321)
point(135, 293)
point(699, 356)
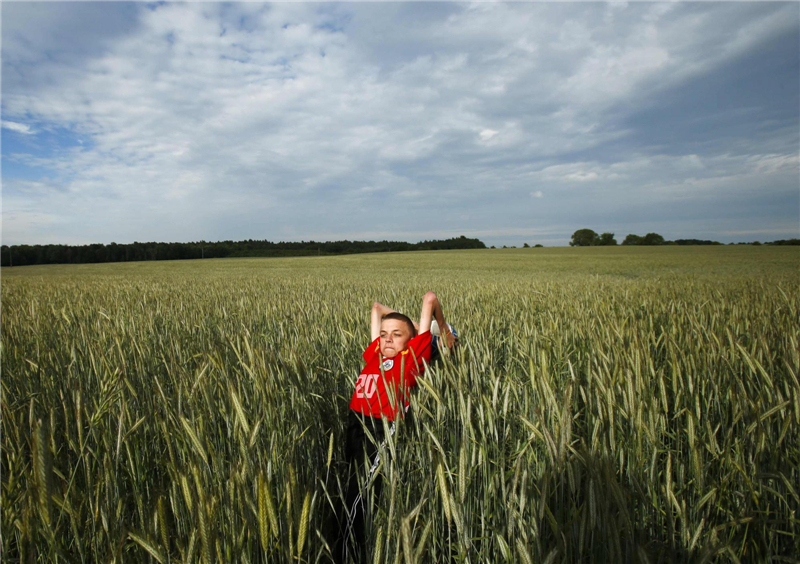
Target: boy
point(397, 355)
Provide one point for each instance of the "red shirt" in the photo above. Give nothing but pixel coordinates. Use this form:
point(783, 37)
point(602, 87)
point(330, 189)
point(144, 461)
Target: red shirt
point(370, 396)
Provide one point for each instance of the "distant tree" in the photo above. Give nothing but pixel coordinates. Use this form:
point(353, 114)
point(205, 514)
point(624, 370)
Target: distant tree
point(632, 239)
point(756, 243)
point(584, 238)
point(538, 246)
point(526, 246)
point(696, 242)
point(607, 240)
point(652, 239)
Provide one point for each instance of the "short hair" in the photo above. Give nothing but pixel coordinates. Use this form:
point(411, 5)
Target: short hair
point(404, 318)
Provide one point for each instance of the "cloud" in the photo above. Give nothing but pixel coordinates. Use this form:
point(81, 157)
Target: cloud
point(581, 176)
point(17, 127)
point(225, 121)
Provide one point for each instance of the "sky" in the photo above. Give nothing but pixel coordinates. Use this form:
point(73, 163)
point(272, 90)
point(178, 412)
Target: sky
point(510, 122)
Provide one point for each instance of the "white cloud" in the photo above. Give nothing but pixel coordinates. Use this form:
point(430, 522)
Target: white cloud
point(537, 194)
point(487, 134)
point(581, 176)
point(17, 127)
point(771, 164)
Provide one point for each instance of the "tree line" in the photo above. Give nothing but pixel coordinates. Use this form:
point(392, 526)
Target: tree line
point(21, 255)
point(588, 238)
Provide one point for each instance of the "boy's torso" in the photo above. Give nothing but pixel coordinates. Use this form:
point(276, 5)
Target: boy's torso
point(385, 382)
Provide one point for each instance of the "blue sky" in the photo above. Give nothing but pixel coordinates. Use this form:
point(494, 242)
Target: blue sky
point(510, 122)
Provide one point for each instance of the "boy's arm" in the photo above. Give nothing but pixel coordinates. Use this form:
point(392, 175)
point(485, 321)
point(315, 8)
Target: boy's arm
point(378, 311)
point(432, 309)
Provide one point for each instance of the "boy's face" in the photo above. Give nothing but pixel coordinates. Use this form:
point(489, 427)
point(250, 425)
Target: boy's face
point(395, 336)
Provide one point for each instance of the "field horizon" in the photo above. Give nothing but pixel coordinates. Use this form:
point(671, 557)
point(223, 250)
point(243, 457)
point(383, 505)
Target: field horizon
point(721, 255)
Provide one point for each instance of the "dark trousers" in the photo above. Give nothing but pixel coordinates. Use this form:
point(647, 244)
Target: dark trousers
point(362, 488)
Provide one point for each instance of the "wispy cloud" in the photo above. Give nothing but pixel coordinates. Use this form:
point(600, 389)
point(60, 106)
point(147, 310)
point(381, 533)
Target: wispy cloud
point(17, 127)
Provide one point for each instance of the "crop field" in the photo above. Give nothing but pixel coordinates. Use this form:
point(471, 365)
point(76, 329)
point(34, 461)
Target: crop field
point(605, 405)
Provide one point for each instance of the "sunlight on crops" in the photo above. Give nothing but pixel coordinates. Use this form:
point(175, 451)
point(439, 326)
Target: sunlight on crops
point(606, 405)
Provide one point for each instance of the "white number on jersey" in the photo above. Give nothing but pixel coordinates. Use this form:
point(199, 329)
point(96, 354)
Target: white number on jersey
point(366, 385)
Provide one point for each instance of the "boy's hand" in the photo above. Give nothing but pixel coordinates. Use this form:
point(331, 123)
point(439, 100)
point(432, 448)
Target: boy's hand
point(377, 312)
point(449, 338)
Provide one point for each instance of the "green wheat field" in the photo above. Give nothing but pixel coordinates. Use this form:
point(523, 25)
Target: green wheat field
point(605, 405)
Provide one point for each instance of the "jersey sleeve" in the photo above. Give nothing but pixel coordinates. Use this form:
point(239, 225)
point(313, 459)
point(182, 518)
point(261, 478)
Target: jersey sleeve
point(420, 347)
point(372, 350)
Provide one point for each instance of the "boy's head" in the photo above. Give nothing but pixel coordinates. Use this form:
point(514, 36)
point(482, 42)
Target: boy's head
point(396, 331)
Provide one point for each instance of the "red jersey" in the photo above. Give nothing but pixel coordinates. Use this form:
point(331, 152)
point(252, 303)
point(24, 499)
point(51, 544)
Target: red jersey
point(370, 396)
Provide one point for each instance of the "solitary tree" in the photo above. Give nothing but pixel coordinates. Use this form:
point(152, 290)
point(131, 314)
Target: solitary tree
point(607, 239)
point(584, 238)
point(653, 239)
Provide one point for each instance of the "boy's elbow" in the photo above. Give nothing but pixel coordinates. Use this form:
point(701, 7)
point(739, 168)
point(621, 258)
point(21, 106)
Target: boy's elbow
point(376, 306)
point(429, 298)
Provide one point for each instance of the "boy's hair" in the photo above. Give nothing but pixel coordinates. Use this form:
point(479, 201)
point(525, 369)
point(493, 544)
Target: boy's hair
point(404, 318)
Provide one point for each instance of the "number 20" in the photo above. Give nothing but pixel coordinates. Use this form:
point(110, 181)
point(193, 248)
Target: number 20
point(366, 385)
